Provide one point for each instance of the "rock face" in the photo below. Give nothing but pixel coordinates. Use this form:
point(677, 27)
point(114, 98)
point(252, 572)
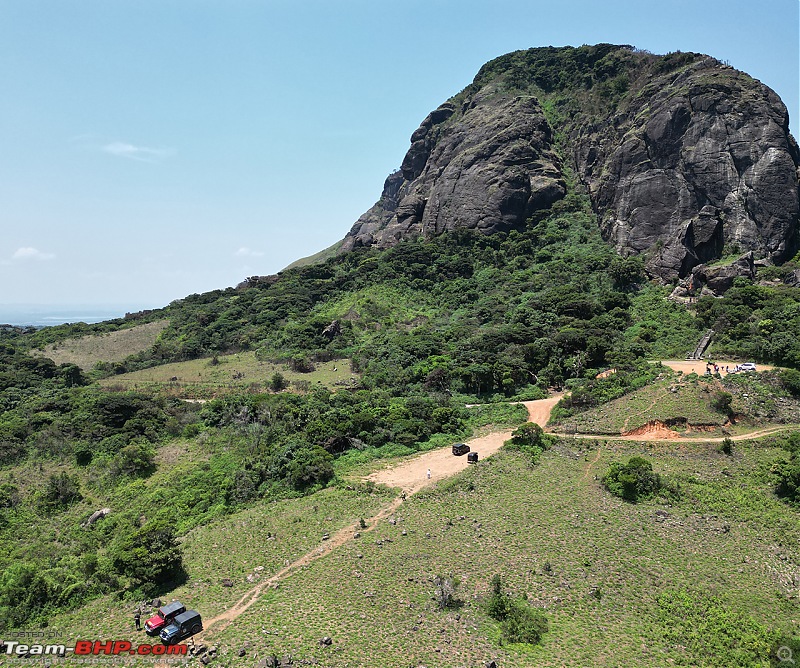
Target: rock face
point(488, 169)
point(682, 157)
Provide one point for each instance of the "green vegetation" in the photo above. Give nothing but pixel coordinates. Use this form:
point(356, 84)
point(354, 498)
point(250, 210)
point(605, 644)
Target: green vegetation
point(755, 322)
point(788, 472)
point(519, 622)
point(632, 481)
point(316, 376)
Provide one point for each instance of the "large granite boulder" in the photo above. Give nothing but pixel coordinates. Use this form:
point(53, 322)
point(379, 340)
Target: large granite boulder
point(684, 158)
point(488, 169)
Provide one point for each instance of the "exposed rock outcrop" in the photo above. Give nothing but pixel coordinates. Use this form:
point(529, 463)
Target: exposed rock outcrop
point(684, 158)
point(487, 169)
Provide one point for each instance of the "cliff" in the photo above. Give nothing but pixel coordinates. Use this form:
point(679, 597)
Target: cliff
point(684, 158)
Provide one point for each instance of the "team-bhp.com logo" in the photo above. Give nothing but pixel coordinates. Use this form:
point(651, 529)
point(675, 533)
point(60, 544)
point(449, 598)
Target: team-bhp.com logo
point(89, 647)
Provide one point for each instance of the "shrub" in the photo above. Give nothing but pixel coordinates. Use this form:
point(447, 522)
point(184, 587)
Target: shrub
point(278, 382)
point(60, 491)
point(721, 401)
point(790, 378)
point(498, 605)
point(524, 624)
point(788, 485)
point(136, 459)
point(530, 439)
point(519, 622)
point(726, 447)
point(150, 555)
point(632, 481)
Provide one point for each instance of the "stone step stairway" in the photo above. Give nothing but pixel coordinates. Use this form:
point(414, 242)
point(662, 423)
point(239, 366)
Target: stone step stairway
point(702, 346)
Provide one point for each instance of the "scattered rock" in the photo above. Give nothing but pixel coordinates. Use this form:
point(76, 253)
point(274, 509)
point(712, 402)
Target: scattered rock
point(326, 641)
point(226, 582)
point(96, 515)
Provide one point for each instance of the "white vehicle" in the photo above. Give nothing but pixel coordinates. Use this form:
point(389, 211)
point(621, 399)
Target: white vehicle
point(747, 366)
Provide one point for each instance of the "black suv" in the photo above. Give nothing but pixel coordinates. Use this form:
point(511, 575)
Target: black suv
point(460, 449)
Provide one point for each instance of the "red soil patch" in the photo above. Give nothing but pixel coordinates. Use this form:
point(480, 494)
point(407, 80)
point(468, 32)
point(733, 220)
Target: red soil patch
point(653, 429)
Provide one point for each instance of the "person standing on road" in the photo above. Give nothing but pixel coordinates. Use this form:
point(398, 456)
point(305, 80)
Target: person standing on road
point(137, 619)
point(429, 474)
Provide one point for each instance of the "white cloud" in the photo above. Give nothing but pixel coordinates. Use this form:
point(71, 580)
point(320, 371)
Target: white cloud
point(141, 153)
point(29, 253)
point(244, 251)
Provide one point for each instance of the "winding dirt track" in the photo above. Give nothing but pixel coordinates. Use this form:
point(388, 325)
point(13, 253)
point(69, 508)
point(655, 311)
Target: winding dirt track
point(411, 476)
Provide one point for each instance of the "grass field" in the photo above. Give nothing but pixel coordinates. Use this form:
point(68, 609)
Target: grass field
point(619, 583)
point(204, 379)
point(86, 351)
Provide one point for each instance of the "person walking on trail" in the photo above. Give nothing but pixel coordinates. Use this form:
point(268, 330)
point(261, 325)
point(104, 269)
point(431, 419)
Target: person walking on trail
point(429, 474)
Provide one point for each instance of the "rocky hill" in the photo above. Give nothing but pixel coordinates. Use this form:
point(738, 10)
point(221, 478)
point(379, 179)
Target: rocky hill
point(685, 159)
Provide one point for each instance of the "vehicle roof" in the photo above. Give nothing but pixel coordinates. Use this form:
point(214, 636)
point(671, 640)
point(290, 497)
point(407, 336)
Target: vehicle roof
point(171, 607)
point(186, 616)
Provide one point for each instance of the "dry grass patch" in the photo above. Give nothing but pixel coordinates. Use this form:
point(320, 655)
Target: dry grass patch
point(86, 351)
point(210, 377)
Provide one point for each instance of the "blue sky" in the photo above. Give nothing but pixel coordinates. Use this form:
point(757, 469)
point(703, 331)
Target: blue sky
point(151, 149)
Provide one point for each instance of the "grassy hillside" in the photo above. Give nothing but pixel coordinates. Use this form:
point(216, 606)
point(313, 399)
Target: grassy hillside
point(225, 374)
point(110, 346)
point(719, 558)
point(198, 491)
point(689, 405)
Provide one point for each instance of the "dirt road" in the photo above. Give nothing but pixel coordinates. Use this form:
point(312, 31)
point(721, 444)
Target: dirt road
point(412, 475)
point(699, 366)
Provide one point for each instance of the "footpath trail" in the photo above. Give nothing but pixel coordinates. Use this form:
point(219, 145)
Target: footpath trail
point(411, 476)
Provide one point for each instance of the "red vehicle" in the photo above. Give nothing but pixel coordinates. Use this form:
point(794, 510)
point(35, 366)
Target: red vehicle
point(164, 616)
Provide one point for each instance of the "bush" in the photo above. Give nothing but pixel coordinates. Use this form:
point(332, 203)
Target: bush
point(632, 481)
point(788, 485)
point(790, 378)
point(278, 382)
point(524, 624)
point(61, 491)
point(519, 622)
point(530, 439)
point(498, 605)
point(134, 460)
point(150, 555)
point(721, 401)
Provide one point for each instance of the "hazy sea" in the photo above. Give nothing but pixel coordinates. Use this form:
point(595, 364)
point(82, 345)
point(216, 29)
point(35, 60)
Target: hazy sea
point(47, 315)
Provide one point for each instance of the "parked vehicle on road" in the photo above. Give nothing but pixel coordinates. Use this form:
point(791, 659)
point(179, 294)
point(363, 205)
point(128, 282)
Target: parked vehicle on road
point(460, 449)
point(747, 366)
point(165, 614)
point(184, 625)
